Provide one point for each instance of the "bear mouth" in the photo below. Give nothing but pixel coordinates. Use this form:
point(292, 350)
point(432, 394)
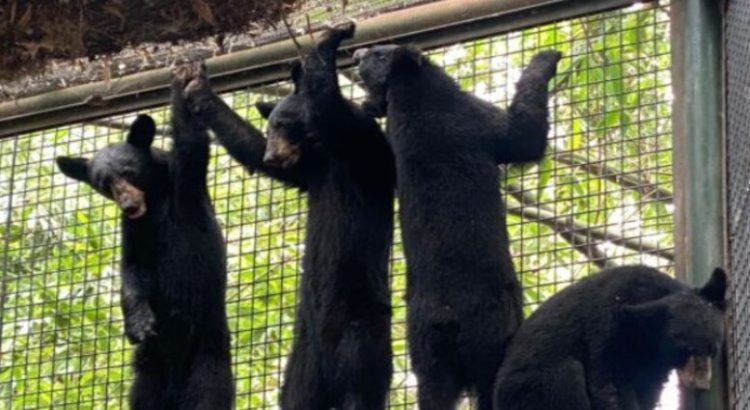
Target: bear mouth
point(134, 212)
point(130, 199)
point(696, 373)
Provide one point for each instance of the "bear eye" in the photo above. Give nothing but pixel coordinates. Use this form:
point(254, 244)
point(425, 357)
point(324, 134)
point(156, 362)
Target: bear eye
point(105, 186)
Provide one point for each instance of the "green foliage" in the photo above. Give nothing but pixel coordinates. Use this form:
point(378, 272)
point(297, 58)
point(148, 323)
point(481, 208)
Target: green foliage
point(61, 326)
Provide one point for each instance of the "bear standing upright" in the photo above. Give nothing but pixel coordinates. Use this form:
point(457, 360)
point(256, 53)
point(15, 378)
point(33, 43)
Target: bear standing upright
point(463, 298)
point(173, 263)
point(610, 341)
point(323, 144)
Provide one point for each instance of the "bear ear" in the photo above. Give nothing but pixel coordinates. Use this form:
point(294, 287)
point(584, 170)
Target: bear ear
point(142, 132)
point(296, 74)
point(715, 289)
point(76, 168)
point(265, 108)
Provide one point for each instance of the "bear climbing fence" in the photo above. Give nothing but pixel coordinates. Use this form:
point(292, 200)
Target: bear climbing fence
point(604, 195)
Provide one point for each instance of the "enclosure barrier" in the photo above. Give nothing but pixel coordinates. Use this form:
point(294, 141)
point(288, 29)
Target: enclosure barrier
point(605, 195)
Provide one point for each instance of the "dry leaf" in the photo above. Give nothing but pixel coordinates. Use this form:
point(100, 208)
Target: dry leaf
point(115, 10)
point(23, 22)
point(203, 11)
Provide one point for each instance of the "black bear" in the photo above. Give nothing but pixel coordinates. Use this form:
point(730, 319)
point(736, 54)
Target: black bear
point(173, 261)
point(610, 341)
point(463, 298)
point(323, 144)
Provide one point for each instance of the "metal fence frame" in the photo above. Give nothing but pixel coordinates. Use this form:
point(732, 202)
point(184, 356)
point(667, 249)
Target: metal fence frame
point(700, 234)
point(697, 81)
point(429, 25)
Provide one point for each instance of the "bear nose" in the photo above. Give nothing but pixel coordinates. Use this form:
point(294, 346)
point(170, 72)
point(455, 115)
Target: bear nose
point(359, 54)
point(270, 158)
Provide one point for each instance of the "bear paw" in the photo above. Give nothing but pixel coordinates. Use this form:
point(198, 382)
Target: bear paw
point(545, 63)
point(341, 31)
point(140, 325)
point(192, 80)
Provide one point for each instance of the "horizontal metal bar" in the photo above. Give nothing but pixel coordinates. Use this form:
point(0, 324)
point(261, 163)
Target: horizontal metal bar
point(434, 24)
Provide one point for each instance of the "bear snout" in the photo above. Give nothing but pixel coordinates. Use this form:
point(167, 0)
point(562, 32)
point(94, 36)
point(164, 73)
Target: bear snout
point(696, 373)
point(130, 199)
point(280, 152)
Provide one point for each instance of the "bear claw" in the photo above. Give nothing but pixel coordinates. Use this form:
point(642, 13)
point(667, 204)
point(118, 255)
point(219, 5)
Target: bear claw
point(193, 80)
point(344, 30)
point(140, 326)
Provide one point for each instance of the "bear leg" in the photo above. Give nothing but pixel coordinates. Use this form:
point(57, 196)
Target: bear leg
point(149, 386)
point(302, 389)
point(438, 390)
point(559, 387)
point(210, 385)
point(364, 370)
point(434, 356)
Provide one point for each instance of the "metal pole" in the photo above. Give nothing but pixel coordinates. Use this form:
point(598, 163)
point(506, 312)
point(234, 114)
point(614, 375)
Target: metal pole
point(435, 24)
point(699, 159)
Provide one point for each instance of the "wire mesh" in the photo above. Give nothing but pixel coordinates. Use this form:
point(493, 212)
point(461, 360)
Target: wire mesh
point(601, 197)
point(738, 157)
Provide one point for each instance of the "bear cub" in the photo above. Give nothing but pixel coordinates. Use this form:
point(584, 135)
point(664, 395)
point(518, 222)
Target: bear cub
point(321, 143)
point(610, 341)
point(172, 263)
point(463, 298)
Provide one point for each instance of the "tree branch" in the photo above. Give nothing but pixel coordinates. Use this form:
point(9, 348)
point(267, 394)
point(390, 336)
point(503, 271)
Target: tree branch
point(648, 189)
point(536, 212)
point(590, 250)
point(580, 243)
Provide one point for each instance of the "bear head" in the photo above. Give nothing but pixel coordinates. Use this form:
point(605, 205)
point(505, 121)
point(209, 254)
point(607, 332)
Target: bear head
point(685, 328)
point(122, 172)
point(381, 66)
point(288, 133)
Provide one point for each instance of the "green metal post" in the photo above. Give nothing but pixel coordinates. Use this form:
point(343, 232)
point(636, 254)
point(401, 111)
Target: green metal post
point(699, 159)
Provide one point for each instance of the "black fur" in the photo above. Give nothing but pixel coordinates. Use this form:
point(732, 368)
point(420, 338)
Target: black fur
point(322, 143)
point(609, 341)
point(173, 266)
point(464, 300)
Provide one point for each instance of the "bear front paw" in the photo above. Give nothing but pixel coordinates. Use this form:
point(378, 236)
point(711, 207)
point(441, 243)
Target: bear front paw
point(545, 63)
point(192, 79)
point(140, 325)
point(341, 31)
